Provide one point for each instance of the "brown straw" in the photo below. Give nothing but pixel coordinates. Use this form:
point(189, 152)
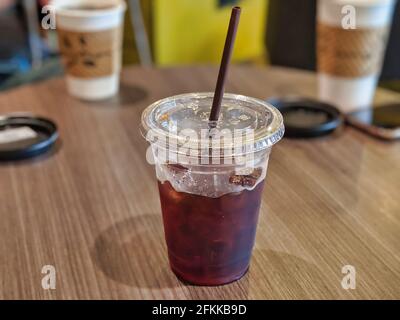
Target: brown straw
point(226, 57)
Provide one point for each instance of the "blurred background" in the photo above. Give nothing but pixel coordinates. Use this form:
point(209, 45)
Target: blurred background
point(180, 32)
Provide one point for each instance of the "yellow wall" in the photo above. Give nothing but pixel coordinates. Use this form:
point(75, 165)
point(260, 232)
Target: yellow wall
point(193, 31)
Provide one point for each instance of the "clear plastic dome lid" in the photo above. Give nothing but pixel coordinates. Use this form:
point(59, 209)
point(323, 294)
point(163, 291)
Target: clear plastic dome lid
point(245, 124)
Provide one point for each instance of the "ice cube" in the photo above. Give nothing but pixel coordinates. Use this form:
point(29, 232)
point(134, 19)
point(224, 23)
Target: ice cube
point(247, 180)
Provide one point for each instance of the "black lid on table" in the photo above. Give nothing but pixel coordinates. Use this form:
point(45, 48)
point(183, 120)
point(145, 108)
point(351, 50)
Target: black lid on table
point(25, 136)
point(307, 118)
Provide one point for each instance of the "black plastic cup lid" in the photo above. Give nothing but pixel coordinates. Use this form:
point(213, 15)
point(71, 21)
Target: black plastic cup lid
point(306, 118)
point(23, 136)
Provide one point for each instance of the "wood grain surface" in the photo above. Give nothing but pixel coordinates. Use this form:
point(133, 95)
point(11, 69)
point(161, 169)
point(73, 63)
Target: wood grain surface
point(91, 207)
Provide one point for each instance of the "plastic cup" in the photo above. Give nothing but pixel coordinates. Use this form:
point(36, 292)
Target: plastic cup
point(210, 190)
point(90, 40)
point(350, 56)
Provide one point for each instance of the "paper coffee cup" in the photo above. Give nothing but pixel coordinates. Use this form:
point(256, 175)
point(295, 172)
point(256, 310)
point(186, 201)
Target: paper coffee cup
point(90, 40)
point(350, 60)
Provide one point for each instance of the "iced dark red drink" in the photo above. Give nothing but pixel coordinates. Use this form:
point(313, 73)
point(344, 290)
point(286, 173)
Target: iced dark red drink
point(210, 240)
point(210, 208)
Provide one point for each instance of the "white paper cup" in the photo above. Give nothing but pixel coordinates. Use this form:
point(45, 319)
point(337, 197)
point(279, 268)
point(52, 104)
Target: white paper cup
point(91, 45)
point(350, 60)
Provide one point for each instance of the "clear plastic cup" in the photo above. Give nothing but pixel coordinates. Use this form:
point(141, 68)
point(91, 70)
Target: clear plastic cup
point(210, 189)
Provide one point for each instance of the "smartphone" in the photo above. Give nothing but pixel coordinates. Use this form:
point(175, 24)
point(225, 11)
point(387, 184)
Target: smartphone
point(381, 121)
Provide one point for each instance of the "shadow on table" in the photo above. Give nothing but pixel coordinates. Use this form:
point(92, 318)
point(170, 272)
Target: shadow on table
point(133, 252)
point(127, 96)
point(274, 275)
point(286, 276)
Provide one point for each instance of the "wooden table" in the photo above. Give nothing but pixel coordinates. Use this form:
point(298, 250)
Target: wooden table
point(91, 208)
